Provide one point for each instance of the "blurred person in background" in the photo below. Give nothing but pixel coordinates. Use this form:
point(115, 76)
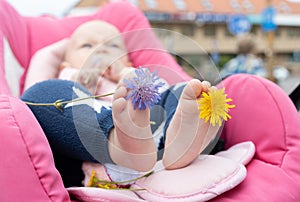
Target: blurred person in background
point(246, 60)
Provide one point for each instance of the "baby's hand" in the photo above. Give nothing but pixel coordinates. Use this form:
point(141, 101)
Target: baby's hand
point(116, 71)
point(127, 73)
point(88, 77)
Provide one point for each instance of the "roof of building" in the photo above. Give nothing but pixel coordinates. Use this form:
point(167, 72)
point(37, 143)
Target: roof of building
point(287, 11)
point(217, 6)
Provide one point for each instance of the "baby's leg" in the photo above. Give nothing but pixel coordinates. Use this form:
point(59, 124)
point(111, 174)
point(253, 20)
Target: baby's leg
point(187, 134)
point(131, 143)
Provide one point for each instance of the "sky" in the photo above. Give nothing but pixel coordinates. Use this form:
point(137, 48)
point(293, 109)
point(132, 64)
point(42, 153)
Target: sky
point(56, 8)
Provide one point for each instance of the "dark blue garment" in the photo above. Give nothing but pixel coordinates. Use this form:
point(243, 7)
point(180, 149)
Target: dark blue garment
point(81, 130)
point(77, 131)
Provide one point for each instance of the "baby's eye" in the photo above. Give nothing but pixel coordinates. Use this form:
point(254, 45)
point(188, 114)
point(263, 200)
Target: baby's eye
point(114, 45)
point(86, 45)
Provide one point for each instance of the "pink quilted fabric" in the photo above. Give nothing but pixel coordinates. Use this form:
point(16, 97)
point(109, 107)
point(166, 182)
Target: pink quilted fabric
point(27, 167)
point(265, 115)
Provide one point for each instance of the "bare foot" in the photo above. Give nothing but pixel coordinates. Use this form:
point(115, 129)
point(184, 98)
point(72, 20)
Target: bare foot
point(187, 134)
point(131, 143)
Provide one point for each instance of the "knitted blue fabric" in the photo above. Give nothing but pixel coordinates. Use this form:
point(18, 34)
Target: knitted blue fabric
point(78, 131)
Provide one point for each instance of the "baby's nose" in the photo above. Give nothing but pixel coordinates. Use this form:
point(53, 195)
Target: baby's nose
point(101, 49)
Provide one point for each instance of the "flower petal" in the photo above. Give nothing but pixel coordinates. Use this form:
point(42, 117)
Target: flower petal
point(144, 89)
point(214, 106)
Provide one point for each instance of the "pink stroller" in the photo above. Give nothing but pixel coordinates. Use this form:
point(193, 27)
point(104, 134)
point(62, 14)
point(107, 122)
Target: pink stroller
point(27, 170)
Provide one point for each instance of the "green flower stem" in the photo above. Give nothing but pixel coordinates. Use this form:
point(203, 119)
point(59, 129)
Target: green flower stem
point(125, 182)
point(85, 98)
point(58, 103)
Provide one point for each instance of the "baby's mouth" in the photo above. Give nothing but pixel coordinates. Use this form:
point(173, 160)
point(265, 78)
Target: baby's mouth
point(103, 68)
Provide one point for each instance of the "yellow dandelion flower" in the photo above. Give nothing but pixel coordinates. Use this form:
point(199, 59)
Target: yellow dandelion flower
point(92, 179)
point(95, 182)
point(104, 184)
point(214, 106)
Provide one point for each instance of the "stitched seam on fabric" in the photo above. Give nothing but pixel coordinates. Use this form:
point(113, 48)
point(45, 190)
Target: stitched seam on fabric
point(190, 194)
point(281, 118)
point(29, 154)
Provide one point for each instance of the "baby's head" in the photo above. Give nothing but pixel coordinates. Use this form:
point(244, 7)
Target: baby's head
point(98, 41)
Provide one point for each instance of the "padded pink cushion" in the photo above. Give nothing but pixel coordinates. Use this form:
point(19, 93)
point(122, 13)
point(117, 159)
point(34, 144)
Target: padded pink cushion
point(202, 180)
point(3, 84)
point(27, 170)
point(265, 115)
point(241, 153)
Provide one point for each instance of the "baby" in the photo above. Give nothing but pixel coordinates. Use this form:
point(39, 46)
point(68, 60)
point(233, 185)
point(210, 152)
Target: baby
point(96, 57)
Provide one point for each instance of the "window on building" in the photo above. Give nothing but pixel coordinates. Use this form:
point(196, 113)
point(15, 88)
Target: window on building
point(293, 32)
point(134, 2)
point(235, 5)
point(180, 4)
point(162, 30)
point(248, 6)
point(187, 30)
point(210, 30)
point(283, 7)
point(225, 31)
point(207, 5)
point(151, 4)
point(278, 32)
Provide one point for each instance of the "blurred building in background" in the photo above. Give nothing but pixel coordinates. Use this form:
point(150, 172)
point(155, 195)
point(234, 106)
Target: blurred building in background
point(206, 23)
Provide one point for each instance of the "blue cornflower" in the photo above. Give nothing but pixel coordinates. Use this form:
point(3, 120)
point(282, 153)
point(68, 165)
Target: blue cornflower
point(144, 89)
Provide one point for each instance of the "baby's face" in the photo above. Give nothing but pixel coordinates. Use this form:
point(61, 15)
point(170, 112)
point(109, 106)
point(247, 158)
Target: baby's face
point(100, 43)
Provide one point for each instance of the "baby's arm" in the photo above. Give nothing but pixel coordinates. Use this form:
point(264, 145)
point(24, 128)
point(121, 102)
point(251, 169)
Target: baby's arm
point(45, 63)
